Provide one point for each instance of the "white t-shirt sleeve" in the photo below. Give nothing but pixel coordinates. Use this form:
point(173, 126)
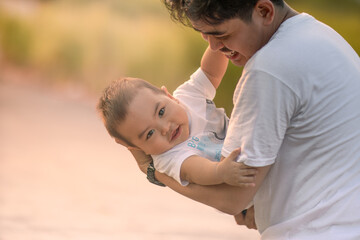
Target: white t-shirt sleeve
point(170, 162)
point(263, 107)
point(198, 86)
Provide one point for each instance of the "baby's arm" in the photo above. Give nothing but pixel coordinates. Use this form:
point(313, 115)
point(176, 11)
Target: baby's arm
point(199, 170)
point(214, 65)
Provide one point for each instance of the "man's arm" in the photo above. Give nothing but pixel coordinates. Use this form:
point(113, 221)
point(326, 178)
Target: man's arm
point(247, 218)
point(214, 65)
point(226, 198)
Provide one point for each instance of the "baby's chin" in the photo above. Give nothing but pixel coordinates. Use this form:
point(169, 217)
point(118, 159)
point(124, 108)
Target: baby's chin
point(164, 150)
point(183, 137)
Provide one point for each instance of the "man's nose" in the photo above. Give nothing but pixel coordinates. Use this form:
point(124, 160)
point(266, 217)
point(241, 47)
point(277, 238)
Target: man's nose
point(214, 43)
point(204, 36)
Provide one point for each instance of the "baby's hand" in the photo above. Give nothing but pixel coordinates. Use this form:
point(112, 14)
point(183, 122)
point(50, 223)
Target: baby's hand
point(234, 173)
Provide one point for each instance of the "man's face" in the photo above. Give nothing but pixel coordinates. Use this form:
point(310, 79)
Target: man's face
point(237, 39)
point(155, 122)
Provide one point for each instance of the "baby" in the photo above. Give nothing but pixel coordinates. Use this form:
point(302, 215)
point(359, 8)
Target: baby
point(181, 132)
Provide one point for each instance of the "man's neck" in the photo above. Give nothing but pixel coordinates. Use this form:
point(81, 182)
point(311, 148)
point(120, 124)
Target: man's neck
point(285, 13)
point(282, 14)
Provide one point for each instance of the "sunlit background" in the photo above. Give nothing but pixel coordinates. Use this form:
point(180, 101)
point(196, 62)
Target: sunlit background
point(61, 176)
point(91, 42)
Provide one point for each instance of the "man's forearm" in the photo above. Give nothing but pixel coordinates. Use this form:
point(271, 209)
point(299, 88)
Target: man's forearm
point(221, 197)
point(226, 198)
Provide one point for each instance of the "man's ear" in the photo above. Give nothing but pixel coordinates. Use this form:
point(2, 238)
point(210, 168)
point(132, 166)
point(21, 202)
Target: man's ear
point(265, 9)
point(164, 89)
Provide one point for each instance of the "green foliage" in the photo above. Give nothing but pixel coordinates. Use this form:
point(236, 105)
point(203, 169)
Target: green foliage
point(225, 90)
point(15, 40)
point(95, 41)
point(343, 16)
point(69, 57)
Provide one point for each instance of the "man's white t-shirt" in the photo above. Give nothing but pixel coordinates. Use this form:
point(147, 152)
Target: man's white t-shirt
point(207, 123)
point(297, 108)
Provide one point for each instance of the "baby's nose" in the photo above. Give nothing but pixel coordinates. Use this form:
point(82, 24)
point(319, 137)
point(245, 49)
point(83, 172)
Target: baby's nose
point(165, 128)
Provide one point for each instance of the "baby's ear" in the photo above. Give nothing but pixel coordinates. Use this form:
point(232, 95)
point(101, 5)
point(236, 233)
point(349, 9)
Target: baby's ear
point(164, 89)
point(133, 148)
point(121, 142)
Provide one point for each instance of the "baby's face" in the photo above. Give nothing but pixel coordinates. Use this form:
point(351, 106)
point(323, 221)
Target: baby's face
point(155, 123)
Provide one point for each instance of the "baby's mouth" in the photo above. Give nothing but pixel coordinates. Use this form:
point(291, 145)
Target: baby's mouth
point(175, 134)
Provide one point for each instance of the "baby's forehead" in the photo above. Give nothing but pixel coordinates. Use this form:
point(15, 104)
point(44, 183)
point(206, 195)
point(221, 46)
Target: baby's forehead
point(150, 91)
point(142, 104)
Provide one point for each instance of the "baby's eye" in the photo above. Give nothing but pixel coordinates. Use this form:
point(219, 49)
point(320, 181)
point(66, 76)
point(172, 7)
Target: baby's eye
point(150, 133)
point(161, 112)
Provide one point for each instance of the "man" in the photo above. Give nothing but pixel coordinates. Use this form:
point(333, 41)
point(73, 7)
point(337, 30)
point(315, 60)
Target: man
point(296, 117)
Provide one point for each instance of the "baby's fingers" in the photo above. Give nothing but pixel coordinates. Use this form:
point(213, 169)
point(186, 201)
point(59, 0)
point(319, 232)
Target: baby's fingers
point(246, 179)
point(248, 171)
point(245, 185)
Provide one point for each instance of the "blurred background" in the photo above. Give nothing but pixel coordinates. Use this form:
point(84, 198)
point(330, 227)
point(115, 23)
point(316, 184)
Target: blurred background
point(91, 42)
point(61, 176)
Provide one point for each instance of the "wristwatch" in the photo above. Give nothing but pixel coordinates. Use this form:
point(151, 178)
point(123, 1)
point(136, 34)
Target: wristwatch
point(244, 212)
point(151, 175)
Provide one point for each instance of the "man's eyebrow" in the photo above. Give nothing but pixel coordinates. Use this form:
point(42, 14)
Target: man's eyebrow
point(209, 33)
point(143, 132)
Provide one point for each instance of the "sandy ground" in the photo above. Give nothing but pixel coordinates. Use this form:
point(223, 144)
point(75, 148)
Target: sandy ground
point(62, 177)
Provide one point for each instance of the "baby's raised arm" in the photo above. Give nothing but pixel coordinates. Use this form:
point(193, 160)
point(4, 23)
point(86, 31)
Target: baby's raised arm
point(202, 171)
point(214, 65)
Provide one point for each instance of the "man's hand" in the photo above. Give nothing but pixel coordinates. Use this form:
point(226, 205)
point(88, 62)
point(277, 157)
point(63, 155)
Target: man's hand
point(142, 159)
point(247, 219)
point(235, 173)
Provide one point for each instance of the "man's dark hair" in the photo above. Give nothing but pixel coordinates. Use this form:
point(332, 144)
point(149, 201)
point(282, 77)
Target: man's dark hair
point(114, 103)
point(212, 11)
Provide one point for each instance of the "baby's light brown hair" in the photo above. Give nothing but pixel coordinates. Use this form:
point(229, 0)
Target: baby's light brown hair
point(114, 103)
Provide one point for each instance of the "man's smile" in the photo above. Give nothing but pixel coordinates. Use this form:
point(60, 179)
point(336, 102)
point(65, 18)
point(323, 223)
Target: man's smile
point(231, 55)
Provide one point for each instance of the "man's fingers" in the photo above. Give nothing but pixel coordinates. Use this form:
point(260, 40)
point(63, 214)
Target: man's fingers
point(239, 219)
point(250, 218)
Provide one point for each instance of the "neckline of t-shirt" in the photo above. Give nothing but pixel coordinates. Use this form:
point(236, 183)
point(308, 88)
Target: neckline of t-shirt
point(295, 19)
